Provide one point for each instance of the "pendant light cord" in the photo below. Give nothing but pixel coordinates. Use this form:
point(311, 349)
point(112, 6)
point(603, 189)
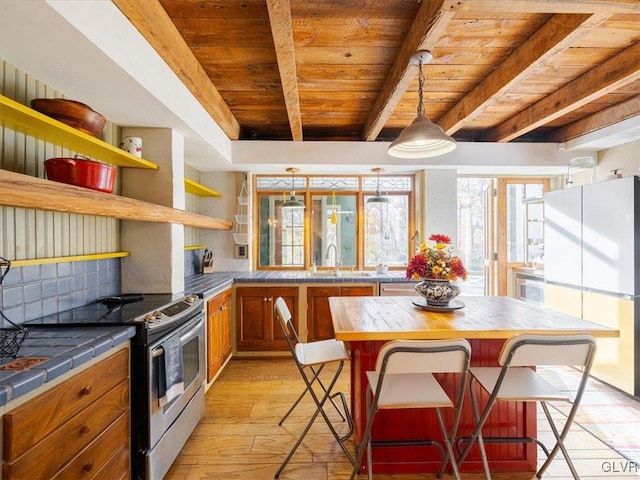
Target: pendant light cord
point(420, 87)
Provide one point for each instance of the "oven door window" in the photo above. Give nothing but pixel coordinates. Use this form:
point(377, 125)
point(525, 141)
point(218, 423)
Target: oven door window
point(190, 365)
point(190, 360)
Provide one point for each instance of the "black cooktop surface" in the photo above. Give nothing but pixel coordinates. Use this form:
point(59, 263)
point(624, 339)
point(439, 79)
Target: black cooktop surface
point(112, 312)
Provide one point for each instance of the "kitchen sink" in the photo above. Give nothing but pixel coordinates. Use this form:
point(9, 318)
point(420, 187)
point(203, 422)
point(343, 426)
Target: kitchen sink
point(346, 273)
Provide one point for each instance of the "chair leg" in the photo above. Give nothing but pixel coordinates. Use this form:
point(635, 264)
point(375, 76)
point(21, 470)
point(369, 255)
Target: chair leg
point(559, 443)
point(319, 411)
point(304, 392)
point(447, 441)
point(297, 444)
point(477, 432)
point(320, 407)
point(365, 443)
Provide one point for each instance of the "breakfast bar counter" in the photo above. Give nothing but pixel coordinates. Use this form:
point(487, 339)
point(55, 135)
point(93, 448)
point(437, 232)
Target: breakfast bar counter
point(366, 323)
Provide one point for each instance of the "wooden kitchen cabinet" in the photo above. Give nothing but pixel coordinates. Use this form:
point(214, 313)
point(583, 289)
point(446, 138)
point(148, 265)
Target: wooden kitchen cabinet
point(218, 333)
point(77, 429)
point(319, 324)
point(257, 328)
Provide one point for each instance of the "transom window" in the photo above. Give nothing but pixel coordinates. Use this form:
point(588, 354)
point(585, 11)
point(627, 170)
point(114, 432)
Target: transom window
point(338, 227)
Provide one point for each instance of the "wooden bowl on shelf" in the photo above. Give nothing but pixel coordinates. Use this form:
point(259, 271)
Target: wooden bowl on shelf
point(72, 113)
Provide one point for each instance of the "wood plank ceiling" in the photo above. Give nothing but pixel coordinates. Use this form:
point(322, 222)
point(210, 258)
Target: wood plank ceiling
point(534, 70)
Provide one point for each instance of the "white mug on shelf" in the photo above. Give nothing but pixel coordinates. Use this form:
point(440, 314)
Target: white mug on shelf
point(133, 145)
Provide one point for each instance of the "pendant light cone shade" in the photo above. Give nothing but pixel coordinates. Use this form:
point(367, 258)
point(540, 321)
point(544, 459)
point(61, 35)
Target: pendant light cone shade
point(293, 202)
point(423, 138)
point(378, 197)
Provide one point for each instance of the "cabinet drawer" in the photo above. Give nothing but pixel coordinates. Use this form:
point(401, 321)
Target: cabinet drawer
point(70, 438)
point(93, 458)
point(117, 468)
point(31, 422)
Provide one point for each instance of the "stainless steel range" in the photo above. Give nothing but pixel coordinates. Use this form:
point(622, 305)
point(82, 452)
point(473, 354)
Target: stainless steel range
point(160, 425)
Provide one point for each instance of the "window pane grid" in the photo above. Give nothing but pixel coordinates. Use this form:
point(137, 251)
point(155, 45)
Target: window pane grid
point(280, 183)
point(328, 183)
point(388, 184)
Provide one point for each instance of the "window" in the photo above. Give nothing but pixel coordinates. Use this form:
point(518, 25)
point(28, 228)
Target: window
point(386, 232)
point(299, 238)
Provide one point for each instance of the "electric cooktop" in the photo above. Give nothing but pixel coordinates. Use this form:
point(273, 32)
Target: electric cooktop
point(129, 309)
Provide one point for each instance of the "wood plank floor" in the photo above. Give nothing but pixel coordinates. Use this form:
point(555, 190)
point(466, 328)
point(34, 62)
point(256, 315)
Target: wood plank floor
point(239, 438)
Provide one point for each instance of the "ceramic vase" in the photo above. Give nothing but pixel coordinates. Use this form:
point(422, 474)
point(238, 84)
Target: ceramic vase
point(437, 292)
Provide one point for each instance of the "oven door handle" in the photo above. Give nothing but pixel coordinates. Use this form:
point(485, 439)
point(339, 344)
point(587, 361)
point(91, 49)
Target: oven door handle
point(192, 333)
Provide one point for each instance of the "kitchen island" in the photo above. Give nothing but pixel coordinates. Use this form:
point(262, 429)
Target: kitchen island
point(366, 323)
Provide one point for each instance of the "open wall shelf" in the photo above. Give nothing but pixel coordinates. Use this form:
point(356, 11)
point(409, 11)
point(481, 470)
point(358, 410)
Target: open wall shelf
point(25, 191)
point(200, 190)
point(20, 118)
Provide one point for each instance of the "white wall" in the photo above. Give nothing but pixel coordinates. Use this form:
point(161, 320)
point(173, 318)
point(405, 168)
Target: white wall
point(221, 241)
point(440, 204)
point(626, 157)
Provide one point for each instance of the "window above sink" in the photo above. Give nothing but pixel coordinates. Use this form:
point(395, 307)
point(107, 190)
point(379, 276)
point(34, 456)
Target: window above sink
point(336, 213)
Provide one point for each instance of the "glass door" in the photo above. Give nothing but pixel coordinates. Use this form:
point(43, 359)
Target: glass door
point(520, 232)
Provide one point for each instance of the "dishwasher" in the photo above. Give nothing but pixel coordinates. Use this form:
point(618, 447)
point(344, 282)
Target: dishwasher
point(397, 289)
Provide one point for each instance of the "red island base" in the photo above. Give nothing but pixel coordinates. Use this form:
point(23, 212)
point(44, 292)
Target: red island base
point(507, 419)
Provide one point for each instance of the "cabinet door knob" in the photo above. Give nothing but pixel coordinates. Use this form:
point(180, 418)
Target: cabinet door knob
point(88, 466)
point(86, 390)
point(84, 429)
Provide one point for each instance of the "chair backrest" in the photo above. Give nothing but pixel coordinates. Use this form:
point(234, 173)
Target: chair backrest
point(424, 356)
point(530, 350)
point(283, 314)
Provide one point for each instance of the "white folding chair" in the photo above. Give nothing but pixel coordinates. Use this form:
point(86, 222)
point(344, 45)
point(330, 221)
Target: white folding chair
point(311, 358)
point(516, 380)
point(404, 378)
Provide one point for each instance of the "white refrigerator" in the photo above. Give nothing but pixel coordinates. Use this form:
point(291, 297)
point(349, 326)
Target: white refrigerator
point(592, 263)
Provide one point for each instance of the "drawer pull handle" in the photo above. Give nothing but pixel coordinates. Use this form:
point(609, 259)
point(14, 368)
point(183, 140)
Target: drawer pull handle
point(84, 429)
point(86, 390)
point(88, 466)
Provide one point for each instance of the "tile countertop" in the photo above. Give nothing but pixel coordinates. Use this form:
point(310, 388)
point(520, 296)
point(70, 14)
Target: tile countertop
point(211, 283)
point(66, 348)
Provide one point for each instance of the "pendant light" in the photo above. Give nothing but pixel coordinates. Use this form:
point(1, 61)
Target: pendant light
point(293, 202)
point(334, 213)
point(378, 197)
point(422, 138)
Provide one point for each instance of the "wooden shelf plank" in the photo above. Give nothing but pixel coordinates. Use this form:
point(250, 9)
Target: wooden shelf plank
point(196, 189)
point(25, 191)
point(20, 118)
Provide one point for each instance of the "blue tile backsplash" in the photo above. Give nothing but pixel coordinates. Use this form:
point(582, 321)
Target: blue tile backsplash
point(33, 291)
point(192, 262)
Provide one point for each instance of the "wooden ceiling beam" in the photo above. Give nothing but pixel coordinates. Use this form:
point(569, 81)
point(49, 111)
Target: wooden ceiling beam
point(619, 70)
point(548, 6)
point(428, 26)
point(608, 116)
point(550, 40)
point(158, 29)
point(282, 31)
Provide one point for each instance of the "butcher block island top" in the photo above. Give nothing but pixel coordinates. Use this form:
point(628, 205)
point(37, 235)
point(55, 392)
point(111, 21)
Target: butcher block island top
point(391, 318)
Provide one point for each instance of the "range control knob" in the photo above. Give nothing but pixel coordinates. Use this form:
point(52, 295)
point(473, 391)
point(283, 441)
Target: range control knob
point(191, 298)
point(150, 318)
point(158, 315)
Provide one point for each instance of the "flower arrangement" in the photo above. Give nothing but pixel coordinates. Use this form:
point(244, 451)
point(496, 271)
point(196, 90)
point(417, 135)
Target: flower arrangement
point(437, 262)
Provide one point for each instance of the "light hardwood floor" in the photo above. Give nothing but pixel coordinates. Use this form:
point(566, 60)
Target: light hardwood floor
point(239, 437)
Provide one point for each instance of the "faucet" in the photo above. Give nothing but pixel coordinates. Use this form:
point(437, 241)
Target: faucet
point(337, 261)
